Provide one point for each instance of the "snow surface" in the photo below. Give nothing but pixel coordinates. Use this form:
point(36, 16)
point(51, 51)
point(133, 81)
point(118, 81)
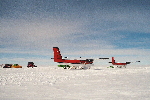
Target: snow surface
point(54, 83)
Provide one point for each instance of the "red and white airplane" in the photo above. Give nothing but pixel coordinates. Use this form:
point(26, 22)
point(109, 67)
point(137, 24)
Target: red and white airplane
point(120, 64)
point(74, 64)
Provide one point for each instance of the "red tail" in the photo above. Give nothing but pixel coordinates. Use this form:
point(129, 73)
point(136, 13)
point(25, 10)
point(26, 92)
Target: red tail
point(57, 55)
point(113, 60)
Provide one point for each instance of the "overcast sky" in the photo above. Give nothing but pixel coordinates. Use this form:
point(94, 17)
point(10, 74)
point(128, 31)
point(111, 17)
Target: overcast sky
point(29, 29)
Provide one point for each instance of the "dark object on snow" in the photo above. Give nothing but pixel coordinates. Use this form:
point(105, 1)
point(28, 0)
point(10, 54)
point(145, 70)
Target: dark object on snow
point(110, 67)
point(31, 64)
point(7, 66)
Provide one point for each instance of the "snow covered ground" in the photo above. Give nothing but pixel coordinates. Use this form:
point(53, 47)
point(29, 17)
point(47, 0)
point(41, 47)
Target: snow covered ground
point(53, 83)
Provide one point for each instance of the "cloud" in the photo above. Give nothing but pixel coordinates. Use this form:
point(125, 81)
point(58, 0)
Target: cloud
point(21, 33)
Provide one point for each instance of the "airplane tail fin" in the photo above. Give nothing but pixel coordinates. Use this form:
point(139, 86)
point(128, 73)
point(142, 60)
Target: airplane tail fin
point(113, 60)
point(57, 55)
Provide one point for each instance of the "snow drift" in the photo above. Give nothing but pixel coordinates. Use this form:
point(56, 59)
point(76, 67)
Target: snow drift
point(54, 83)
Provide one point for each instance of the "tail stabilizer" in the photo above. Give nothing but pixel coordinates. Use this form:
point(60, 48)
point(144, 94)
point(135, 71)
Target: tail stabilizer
point(113, 60)
point(57, 55)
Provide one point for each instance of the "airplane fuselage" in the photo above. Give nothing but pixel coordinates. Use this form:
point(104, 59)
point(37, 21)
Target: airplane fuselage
point(74, 61)
point(119, 63)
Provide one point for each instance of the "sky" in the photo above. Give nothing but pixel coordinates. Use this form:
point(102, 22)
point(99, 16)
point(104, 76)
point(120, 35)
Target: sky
point(29, 29)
